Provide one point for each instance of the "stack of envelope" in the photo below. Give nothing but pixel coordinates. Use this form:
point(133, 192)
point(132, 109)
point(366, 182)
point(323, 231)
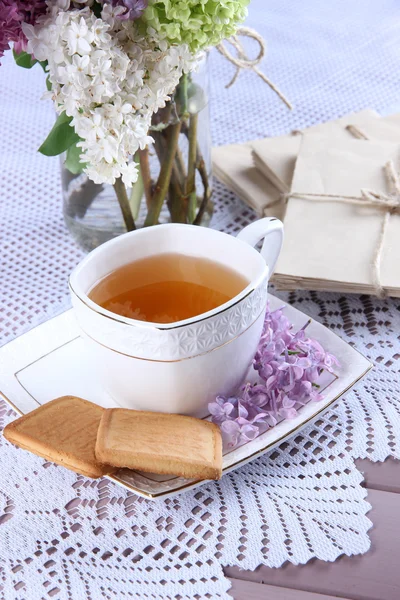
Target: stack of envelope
point(233, 165)
point(318, 181)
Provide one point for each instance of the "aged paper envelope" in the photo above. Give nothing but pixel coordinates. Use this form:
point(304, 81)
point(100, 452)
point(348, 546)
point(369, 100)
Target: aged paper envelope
point(233, 165)
point(276, 157)
point(331, 244)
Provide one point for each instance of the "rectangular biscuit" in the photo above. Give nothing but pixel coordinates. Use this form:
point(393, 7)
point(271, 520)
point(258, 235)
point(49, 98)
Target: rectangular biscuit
point(160, 443)
point(63, 431)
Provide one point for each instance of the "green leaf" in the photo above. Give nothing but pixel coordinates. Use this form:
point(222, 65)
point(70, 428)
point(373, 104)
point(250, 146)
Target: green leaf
point(48, 84)
point(25, 60)
point(60, 138)
point(72, 161)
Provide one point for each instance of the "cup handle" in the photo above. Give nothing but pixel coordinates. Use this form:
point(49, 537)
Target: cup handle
point(269, 228)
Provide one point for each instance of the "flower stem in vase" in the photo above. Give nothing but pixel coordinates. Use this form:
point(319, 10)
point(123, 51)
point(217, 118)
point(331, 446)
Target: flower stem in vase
point(202, 169)
point(190, 189)
point(145, 171)
point(164, 177)
point(136, 195)
point(176, 201)
point(180, 167)
point(182, 96)
point(123, 200)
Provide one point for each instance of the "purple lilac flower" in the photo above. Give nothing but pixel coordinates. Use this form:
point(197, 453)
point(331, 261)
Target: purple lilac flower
point(134, 8)
point(9, 24)
point(223, 409)
point(12, 14)
point(289, 365)
point(234, 434)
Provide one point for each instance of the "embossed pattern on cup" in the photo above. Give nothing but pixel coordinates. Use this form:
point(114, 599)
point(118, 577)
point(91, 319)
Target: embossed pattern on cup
point(173, 344)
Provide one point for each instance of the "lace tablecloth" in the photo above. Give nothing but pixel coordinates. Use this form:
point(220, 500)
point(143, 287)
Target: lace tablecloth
point(65, 537)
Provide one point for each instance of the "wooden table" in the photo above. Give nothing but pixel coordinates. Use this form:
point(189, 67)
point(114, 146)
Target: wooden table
point(373, 576)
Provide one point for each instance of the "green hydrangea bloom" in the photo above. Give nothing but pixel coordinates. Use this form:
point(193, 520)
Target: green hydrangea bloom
point(198, 23)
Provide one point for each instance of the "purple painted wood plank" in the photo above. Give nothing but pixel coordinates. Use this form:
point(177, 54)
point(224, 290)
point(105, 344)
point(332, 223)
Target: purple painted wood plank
point(247, 590)
point(373, 576)
point(381, 476)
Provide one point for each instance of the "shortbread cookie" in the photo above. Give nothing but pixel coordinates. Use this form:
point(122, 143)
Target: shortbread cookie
point(160, 443)
point(62, 431)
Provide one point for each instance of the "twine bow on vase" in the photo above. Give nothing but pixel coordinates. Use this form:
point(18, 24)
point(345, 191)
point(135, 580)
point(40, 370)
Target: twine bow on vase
point(389, 202)
point(243, 62)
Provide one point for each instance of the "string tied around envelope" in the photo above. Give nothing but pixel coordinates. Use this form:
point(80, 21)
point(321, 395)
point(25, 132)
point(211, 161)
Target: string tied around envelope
point(352, 129)
point(389, 202)
point(243, 62)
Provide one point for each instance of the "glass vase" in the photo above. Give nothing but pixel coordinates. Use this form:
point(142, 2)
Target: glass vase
point(175, 179)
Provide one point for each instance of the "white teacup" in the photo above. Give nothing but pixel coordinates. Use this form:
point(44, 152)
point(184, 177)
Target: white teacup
point(177, 367)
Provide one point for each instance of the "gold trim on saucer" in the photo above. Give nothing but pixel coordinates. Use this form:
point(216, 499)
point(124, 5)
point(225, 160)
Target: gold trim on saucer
point(151, 496)
point(250, 456)
point(11, 404)
point(234, 465)
point(37, 360)
point(292, 431)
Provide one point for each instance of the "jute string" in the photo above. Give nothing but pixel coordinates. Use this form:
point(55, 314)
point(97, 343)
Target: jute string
point(243, 62)
point(353, 129)
point(356, 132)
point(389, 202)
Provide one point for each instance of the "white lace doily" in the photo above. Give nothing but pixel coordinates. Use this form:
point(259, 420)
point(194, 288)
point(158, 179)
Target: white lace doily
point(80, 536)
point(65, 537)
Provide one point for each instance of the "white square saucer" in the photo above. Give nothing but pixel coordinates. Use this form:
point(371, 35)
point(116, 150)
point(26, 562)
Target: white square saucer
point(50, 361)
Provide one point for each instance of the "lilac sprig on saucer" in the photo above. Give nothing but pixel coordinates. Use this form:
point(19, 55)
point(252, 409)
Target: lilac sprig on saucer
point(289, 365)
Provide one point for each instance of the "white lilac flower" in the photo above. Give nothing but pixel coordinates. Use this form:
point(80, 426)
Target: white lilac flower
point(79, 37)
point(109, 79)
point(129, 173)
point(36, 44)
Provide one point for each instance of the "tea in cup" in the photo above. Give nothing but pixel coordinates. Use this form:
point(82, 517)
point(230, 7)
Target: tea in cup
point(172, 314)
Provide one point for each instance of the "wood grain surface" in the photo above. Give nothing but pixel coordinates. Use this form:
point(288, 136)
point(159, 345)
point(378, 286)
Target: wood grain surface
point(259, 591)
